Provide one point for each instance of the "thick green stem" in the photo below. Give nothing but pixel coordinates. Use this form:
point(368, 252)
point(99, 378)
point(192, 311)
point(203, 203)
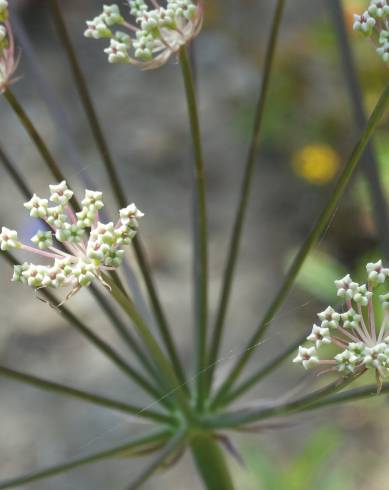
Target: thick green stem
point(116, 184)
point(152, 345)
point(314, 235)
point(210, 462)
point(244, 194)
point(84, 395)
point(200, 233)
point(143, 442)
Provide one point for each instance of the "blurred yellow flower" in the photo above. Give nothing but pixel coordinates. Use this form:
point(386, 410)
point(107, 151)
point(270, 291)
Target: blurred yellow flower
point(318, 164)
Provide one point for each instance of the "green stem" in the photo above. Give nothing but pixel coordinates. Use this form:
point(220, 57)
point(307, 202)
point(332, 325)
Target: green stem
point(351, 395)
point(262, 372)
point(171, 446)
point(310, 241)
point(200, 238)
point(151, 343)
point(244, 417)
point(116, 185)
point(147, 440)
point(244, 195)
point(210, 462)
point(84, 395)
point(37, 139)
point(100, 344)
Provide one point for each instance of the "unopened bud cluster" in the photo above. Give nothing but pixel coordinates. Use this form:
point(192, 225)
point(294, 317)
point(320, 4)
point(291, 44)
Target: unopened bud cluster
point(7, 49)
point(353, 329)
point(88, 246)
point(374, 23)
point(157, 34)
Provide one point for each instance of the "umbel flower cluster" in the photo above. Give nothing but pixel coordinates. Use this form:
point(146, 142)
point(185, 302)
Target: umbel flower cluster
point(8, 63)
point(353, 330)
point(86, 247)
point(374, 23)
point(157, 34)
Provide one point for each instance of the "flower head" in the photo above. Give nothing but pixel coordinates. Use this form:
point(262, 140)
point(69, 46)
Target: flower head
point(8, 59)
point(354, 331)
point(374, 23)
point(89, 247)
point(158, 33)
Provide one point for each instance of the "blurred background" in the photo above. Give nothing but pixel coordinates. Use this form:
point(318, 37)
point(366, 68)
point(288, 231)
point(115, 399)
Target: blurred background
point(309, 130)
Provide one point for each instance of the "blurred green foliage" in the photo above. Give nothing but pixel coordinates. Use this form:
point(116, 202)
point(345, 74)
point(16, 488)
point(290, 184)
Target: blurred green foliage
point(311, 468)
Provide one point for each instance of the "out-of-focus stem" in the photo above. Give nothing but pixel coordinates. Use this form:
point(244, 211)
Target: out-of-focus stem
point(141, 442)
point(84, 395)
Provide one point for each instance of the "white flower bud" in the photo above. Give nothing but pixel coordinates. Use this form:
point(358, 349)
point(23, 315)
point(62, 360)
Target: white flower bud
point(43, 239)
point(37, 207)
point(8, 239)
point(111, 15)
point(60, 194)
point(329, 318)
point(117, 52)
point(306, 357)
point(319, 336)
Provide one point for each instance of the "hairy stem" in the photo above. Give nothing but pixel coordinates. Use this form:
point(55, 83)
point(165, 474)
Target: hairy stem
point(200, 234)
point(83, 395)
point(244, 194)
point(146, 441)
point(309, 243)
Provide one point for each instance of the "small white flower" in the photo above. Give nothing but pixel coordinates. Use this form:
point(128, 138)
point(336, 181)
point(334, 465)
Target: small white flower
point(60, 194)
point(346, 361)
point(18, 273)
point(56, 216)
point(111, 15)
point(376, 272)
point(378, 9)
point(44, 239)
point(37, 207)
point(376, 356)
point(117, 52)
point(306, 357)
point(97, 29)
point(8, 239)
point(320, 336)
point(137, 7)
point(130, 214)
point(346, 287)
point(351, 319)
point(362, 295)
point(329, 318)
point(364, 23)
point(93, 200)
